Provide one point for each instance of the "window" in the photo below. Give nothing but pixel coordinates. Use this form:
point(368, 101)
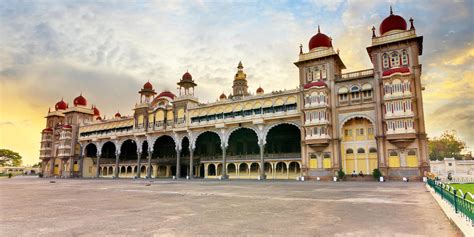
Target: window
point(370, 131)
point(348, 132)
point(450, 164)
point(372, 150)
point(360, 151)
point(360, 131)
point(404, 57)
point(385, 61)
point(327, 155)
point(343, 97)
point(367, 94)
point(355, 95)
point(349, 151)
point(411, 153)
point(393, 153)
point(395, 60)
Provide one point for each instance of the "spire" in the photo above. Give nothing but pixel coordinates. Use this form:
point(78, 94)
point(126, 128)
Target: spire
point(301, 48)
point(391, 11)
point(412, 27)
point(240, 65)
point(319, 31)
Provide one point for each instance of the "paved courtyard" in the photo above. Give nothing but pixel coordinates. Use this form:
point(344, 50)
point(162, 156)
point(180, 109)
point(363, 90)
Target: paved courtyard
point(33, 206)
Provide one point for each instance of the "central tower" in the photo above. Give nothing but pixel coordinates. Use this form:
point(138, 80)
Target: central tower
point(240, 87)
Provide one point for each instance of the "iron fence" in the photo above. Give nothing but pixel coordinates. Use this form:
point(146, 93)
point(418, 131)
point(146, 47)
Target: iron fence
point(461, 202)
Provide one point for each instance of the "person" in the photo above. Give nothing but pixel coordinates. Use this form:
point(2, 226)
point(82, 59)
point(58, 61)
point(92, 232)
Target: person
point(354, 174)
point(361, 174)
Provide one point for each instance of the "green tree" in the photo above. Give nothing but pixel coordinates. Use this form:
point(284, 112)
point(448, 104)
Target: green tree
point(38, 165)
point(446, 146)
point(9, 158)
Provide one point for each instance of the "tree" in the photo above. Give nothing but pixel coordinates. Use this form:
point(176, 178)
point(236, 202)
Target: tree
point(446, 146)
point(38, 165)
point(9, 158)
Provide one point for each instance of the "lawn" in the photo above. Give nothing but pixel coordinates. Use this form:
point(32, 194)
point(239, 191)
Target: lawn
point(465, 188)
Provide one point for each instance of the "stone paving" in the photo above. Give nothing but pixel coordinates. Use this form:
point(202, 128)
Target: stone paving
point(82, 207)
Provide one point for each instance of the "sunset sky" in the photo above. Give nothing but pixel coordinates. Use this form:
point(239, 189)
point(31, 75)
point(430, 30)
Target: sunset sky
point(108, 49)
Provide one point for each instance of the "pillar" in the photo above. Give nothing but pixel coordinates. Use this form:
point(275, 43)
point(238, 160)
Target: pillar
point(51, 170)
point(117, 168)
point(178, 161)
point(71, 167)
point(191, 165)
point(81, 164)
point(97, 173)
point(262, 162)
point(224, 168)
point(148, 172)
point(139, 169)
point(60, 168)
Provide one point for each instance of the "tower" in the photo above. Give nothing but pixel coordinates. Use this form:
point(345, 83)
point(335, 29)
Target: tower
point(141, 110)
point(240, 87)
point(186, 83)
point(395, 57)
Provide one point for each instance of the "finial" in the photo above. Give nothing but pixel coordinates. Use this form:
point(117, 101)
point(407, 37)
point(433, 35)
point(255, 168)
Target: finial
point(373, 32)
point(337, 51)
point(240, 65)
point(412, 27)
point(301, 48)
point(319, 31)
point(391, 11)
point(49, 110)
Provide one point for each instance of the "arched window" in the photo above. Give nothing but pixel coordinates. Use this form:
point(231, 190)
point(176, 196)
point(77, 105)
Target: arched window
point(372, 150)
point(349, 151)
point(393, 153)
point(411, 153)
point(327, 155)
point(385, 61)
point(395, 59)
point(360, 151)
point(404, 57)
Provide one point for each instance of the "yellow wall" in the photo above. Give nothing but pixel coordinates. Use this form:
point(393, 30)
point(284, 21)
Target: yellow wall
point(313, 163)
point(89, 168)
point(354, 137)
point(327, 163)
point(394, 161)
point(412, 161)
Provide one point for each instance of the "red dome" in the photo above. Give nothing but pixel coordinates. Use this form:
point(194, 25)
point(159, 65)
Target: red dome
point(80, 100)
point(67, 126)
point(187, 77)
point(260, 90)
point(47, 130)
point(166, 94)
point(223, 96)
point(61, 105)
point(319, 40)
point(148, 86)
point(96, 111)
point(392, 22)
point(316, 84)
point(98, 118)
point(118, 115)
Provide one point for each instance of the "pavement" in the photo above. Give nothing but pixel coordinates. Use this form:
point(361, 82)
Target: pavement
point(124, 207)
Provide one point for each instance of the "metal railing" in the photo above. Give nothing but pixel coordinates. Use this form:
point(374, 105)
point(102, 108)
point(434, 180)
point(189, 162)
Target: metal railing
point(461, 202)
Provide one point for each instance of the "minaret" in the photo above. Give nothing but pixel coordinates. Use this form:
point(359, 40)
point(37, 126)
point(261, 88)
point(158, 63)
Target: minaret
point(186, 83)
point(240, 87)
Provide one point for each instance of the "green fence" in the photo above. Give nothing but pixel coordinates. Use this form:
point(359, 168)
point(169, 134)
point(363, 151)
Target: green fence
point(456, 198)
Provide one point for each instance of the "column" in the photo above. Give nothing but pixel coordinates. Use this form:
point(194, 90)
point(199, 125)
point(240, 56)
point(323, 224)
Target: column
point(117, 168)
point(191, 165)
point(60, 168)
point(262, 162)
point(71, 167)
point(139, 170)
point(178, 161)
point(97, 173)
point(81, 164)
point(224, 168)
point(51, 170)
point(148, 172)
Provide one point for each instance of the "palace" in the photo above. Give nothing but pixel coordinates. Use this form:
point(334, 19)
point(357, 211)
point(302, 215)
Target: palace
point(357, 121)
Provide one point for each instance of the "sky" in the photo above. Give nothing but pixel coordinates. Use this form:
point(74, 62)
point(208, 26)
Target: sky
point(107, 50)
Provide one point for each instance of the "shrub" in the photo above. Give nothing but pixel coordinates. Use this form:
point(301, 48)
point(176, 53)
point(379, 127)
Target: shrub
point(341, 174)
point(40, 175)
point(377, 174)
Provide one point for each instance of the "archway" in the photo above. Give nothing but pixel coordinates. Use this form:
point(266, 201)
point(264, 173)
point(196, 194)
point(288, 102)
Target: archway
point(243, 170)
point(128, 150)
point(281, 170)
point(242, 142)
point(208, 146)
point(184, 157)
point(164, 151)
point(283, 139)
point(108, 150)
point(211, 170)
point(91, 150)
point(231, 170)
point(294, 169)
point(358, 146)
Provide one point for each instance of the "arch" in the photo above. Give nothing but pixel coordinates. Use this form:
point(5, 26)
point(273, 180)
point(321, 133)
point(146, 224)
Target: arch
point(372, 150)
point(193, 142)
point(282, 138)
point(278, 102)
point(360, 151)
point(243, 167)
point(185, 146)
point(208, 144)
point(128, 150)
point(231, 169)
point(355, 88)
point(129, 170)
point(111, 170)
point(268, 128)
point(164, 146)
point(123, 169)
point(268, 168)
point(342, 90)
point(242, 141)
point(254, 168)
point(349, 151)
point(291, 100)
point(280, 168)
point(90, 150)
point(108, 150)
point(354, 116)
point(366, 86)
point(294, 167)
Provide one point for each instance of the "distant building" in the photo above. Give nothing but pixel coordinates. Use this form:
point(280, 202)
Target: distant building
point(354, 121)
point(453, 166)
point(18, 170)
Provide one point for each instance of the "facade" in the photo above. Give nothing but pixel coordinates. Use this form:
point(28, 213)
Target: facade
point(356, 121)
point(457, 168)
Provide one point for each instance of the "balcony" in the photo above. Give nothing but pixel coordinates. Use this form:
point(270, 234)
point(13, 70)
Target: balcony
point(398, 95)
point(315, 105)
point(357, 74)
point(317, 122)
point(393, 37)
point(401, 139)
point(316, 141)
point(399, 114)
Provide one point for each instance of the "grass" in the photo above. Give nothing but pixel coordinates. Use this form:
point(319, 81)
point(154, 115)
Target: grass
point(465, 188)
